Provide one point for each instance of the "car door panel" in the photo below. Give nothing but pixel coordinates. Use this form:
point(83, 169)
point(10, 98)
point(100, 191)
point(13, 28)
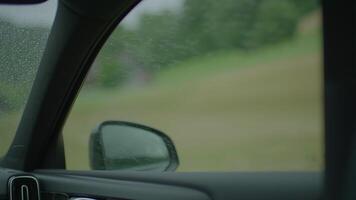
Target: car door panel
point(170, 185)
point(193, 185)
point(82, 186)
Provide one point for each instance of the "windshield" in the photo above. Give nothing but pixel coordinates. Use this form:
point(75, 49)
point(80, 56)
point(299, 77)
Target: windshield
point(24, 31)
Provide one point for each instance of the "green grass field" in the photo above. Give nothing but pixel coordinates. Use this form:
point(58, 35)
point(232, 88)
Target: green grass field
point(225, 111)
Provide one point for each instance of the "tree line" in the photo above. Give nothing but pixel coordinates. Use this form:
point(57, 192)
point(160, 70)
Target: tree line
point(163, 39)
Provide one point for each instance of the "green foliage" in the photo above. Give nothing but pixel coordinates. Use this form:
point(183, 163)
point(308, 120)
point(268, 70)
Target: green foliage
point(222, 25)
point(304, 7)
point(111, 71)
point(275, 21)
point(110, 74)
point(202, 27)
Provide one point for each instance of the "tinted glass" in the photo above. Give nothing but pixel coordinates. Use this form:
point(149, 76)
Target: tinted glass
point(23, 34)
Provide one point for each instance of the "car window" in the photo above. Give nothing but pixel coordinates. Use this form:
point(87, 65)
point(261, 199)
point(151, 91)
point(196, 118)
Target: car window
point(236, 84)
point(23, 34)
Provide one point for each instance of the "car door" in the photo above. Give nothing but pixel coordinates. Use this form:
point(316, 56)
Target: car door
point(35, 163)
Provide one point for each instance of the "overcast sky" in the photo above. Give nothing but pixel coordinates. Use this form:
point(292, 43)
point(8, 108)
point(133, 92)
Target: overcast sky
point(43, 14)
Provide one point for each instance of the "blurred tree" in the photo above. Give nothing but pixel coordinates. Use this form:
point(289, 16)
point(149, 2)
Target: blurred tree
point(165, 38)
point(229, 23)
point(160, 42)
point(305, 6)
point(275, 21)
point(111, 64)
point(110, 73)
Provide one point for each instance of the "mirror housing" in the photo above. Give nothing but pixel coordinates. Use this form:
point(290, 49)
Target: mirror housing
point(21, 1)
point(118, 145)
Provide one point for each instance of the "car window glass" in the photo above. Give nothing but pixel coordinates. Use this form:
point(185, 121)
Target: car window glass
point(236, 84)
point(23, 34)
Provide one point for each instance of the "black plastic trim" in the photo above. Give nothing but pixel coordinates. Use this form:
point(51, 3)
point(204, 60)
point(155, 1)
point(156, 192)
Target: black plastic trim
point(211, 185)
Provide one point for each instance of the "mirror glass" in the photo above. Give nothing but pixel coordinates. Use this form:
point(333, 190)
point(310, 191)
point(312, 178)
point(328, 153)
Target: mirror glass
point(134, 148)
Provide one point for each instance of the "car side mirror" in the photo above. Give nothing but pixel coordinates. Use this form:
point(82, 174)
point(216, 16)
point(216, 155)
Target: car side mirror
point(117, 145)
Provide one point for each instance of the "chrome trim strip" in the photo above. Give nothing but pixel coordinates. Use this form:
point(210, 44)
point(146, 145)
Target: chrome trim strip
point(24, 189)
point(11, 180)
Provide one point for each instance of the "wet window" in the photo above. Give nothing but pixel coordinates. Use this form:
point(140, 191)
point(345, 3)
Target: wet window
point(23, 35)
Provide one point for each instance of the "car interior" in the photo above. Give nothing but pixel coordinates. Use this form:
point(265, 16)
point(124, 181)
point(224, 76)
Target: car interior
point(34, 167)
